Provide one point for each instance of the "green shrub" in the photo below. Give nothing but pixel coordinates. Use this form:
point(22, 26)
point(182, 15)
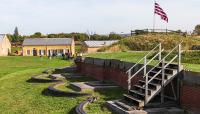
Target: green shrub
point(148, 42)
point(192, 57)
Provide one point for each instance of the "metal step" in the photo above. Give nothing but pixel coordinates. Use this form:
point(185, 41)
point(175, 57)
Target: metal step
point(152, 73)
point(135, 101)
point(167, 70)
point(151, 85)
point(156, 80)
point(142, 88)
point(137, 94)
point(171, 65)
point(123, 104)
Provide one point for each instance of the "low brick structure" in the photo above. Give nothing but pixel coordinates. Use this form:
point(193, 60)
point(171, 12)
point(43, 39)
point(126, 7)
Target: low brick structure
point(107, 70)
point(115, 71)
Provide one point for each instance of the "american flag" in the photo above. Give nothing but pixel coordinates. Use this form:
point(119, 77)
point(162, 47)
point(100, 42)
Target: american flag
point(159, 11)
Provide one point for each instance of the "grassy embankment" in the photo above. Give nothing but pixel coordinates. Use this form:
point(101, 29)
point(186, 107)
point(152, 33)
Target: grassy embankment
point(22, 97)
point(191, 60)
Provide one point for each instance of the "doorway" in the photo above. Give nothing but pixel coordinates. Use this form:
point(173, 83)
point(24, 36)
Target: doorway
point(34, 52)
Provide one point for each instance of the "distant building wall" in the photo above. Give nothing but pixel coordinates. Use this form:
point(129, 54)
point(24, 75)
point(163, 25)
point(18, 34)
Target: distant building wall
point(28, 50)
point(5, 47)
point(92, 49)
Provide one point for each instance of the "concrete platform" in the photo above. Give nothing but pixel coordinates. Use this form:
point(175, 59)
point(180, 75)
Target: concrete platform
point(94, 85)
point(119, 110)
point(72, 75)
point(56, 76)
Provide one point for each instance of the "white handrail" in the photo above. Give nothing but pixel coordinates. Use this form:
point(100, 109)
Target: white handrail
point(162, 70)
point(145, 65)
point(144, 57)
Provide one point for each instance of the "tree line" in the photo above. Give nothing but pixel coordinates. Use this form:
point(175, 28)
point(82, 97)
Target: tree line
point(17, 38)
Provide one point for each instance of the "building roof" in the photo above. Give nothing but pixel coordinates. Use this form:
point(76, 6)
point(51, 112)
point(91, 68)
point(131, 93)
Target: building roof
point(47, 41)
point(99, 43)
point(2, 36)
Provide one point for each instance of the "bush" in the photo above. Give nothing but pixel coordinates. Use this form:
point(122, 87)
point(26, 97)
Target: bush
point(192, 57)
point(148, 42)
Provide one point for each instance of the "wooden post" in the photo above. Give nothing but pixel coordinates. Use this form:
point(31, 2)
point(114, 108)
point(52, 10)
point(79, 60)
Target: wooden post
point(163, 78)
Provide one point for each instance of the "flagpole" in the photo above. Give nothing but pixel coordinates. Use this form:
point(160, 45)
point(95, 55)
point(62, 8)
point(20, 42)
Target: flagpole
point(154, 17)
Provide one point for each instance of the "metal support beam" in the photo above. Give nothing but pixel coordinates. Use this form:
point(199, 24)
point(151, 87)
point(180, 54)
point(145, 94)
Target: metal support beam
point(179, 71)
point(163, 78)
point(146, 89)
point(173, 90)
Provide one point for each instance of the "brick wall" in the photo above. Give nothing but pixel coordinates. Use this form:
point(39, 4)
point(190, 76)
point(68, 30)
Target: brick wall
point(114, 71)
point(111, 73)
point(190, 97)
point(190, 91)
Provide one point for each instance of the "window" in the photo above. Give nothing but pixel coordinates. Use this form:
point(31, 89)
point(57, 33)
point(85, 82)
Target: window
point(28, 52)
point(42, 52)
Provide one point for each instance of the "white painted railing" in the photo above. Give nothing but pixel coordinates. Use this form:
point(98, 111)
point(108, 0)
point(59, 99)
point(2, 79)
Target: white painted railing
point(164, 65)
point(144, 68)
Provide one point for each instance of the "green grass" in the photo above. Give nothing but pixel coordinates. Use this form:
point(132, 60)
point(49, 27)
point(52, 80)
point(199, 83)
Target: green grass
point(13, 64)
point(98, 107)
point(20, 97)
point(136, 56)
point(124, 56)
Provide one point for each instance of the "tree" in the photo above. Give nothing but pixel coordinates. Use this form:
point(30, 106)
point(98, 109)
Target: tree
point(197, 29)
point(36, 35)
point(114, 36)
point(16, 33)
point(15, 36)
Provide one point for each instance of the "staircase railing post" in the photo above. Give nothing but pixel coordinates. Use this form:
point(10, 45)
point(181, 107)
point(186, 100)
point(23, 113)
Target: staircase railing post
point(146, 89)
point(179, 70)
point(160, 54)
point(179, 57)
point(129, 80)
point(163, 78)
point(145, 65)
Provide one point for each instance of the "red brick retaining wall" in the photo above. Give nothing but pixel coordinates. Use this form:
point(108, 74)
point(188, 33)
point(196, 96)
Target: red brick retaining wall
point(190, 91)
point(106, 74)
point(190, 97)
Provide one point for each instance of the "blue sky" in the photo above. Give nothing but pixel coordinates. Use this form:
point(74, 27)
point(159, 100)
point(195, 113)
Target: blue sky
point(100, 16)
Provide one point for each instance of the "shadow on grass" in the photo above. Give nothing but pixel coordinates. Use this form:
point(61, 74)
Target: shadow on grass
point(41, 81)
point(72, 111)
point(58, 93)
point(47, 92)
point(81, 79)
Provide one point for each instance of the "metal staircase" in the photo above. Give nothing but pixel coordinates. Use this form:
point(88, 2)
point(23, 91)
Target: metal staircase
point(154, 80)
